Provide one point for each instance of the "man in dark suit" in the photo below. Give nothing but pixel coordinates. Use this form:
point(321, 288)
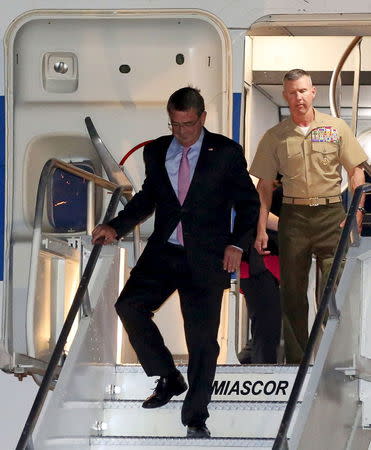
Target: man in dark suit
point(193, 180)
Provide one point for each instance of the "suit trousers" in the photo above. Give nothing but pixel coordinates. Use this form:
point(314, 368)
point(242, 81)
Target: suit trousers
point(304, 231)
point(158, 273)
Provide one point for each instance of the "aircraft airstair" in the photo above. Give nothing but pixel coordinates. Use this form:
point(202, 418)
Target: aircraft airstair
point(245, 412)
point(97, 404)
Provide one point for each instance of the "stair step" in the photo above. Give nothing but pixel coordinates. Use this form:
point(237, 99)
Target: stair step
point(227, 419)
point(149, 443)
point(133, 443)
point(245, 412)
point(232, 383)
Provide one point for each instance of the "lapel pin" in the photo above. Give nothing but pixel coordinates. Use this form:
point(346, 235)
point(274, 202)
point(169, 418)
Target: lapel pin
point(210, 149)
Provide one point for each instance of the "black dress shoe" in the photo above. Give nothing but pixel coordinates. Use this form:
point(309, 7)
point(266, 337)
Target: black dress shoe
point(244, 356)
point(165, 389)
point(199, 432)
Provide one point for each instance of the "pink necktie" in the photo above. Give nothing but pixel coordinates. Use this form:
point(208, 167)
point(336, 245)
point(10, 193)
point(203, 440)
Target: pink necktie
point(183, 185)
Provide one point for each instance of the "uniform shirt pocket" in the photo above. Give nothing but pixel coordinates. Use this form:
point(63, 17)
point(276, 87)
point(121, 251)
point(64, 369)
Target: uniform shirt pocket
point(291, 158)
point(325, 156)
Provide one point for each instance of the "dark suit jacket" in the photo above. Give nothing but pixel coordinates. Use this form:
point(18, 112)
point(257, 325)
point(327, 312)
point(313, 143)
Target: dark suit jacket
point(220, 182)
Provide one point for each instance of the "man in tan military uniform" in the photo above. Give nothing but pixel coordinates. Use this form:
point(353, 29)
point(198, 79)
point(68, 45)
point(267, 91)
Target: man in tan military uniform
point(308, 149)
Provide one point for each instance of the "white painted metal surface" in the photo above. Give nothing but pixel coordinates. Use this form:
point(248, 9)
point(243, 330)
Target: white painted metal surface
point(331, 403)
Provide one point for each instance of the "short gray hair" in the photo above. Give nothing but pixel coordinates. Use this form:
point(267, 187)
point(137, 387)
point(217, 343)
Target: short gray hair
point(295, 74)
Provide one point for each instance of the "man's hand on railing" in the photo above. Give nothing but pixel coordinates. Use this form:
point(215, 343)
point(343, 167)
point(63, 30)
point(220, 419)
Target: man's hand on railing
point(103, 234)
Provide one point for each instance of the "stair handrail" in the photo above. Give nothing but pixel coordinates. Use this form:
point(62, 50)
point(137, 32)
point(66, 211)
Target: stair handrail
point(115, 173)
point(49, 166)
point(118, 191)
point(334, 106)
point(328, 302)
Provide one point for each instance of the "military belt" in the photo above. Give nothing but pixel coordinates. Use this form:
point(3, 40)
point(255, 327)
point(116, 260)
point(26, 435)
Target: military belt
point(311, 201)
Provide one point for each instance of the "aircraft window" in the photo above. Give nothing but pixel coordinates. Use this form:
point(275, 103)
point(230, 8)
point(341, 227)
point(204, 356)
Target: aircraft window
point(67, 200)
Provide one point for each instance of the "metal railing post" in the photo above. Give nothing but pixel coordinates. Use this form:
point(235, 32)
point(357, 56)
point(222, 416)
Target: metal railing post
point(90, 213)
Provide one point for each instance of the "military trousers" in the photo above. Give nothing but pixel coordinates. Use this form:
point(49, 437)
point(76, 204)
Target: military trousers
point(304, 231)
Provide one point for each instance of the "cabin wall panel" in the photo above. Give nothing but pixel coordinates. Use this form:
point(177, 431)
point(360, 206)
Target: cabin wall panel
point(263, 114)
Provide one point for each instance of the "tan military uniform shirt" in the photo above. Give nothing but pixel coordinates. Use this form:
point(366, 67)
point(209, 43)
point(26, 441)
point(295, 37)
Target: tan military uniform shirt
point(310, 164)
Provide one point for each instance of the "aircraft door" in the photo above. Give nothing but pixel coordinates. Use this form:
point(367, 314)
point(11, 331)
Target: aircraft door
point(119, 69)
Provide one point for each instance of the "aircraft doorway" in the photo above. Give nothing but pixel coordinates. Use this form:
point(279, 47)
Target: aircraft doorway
point(277, 44)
